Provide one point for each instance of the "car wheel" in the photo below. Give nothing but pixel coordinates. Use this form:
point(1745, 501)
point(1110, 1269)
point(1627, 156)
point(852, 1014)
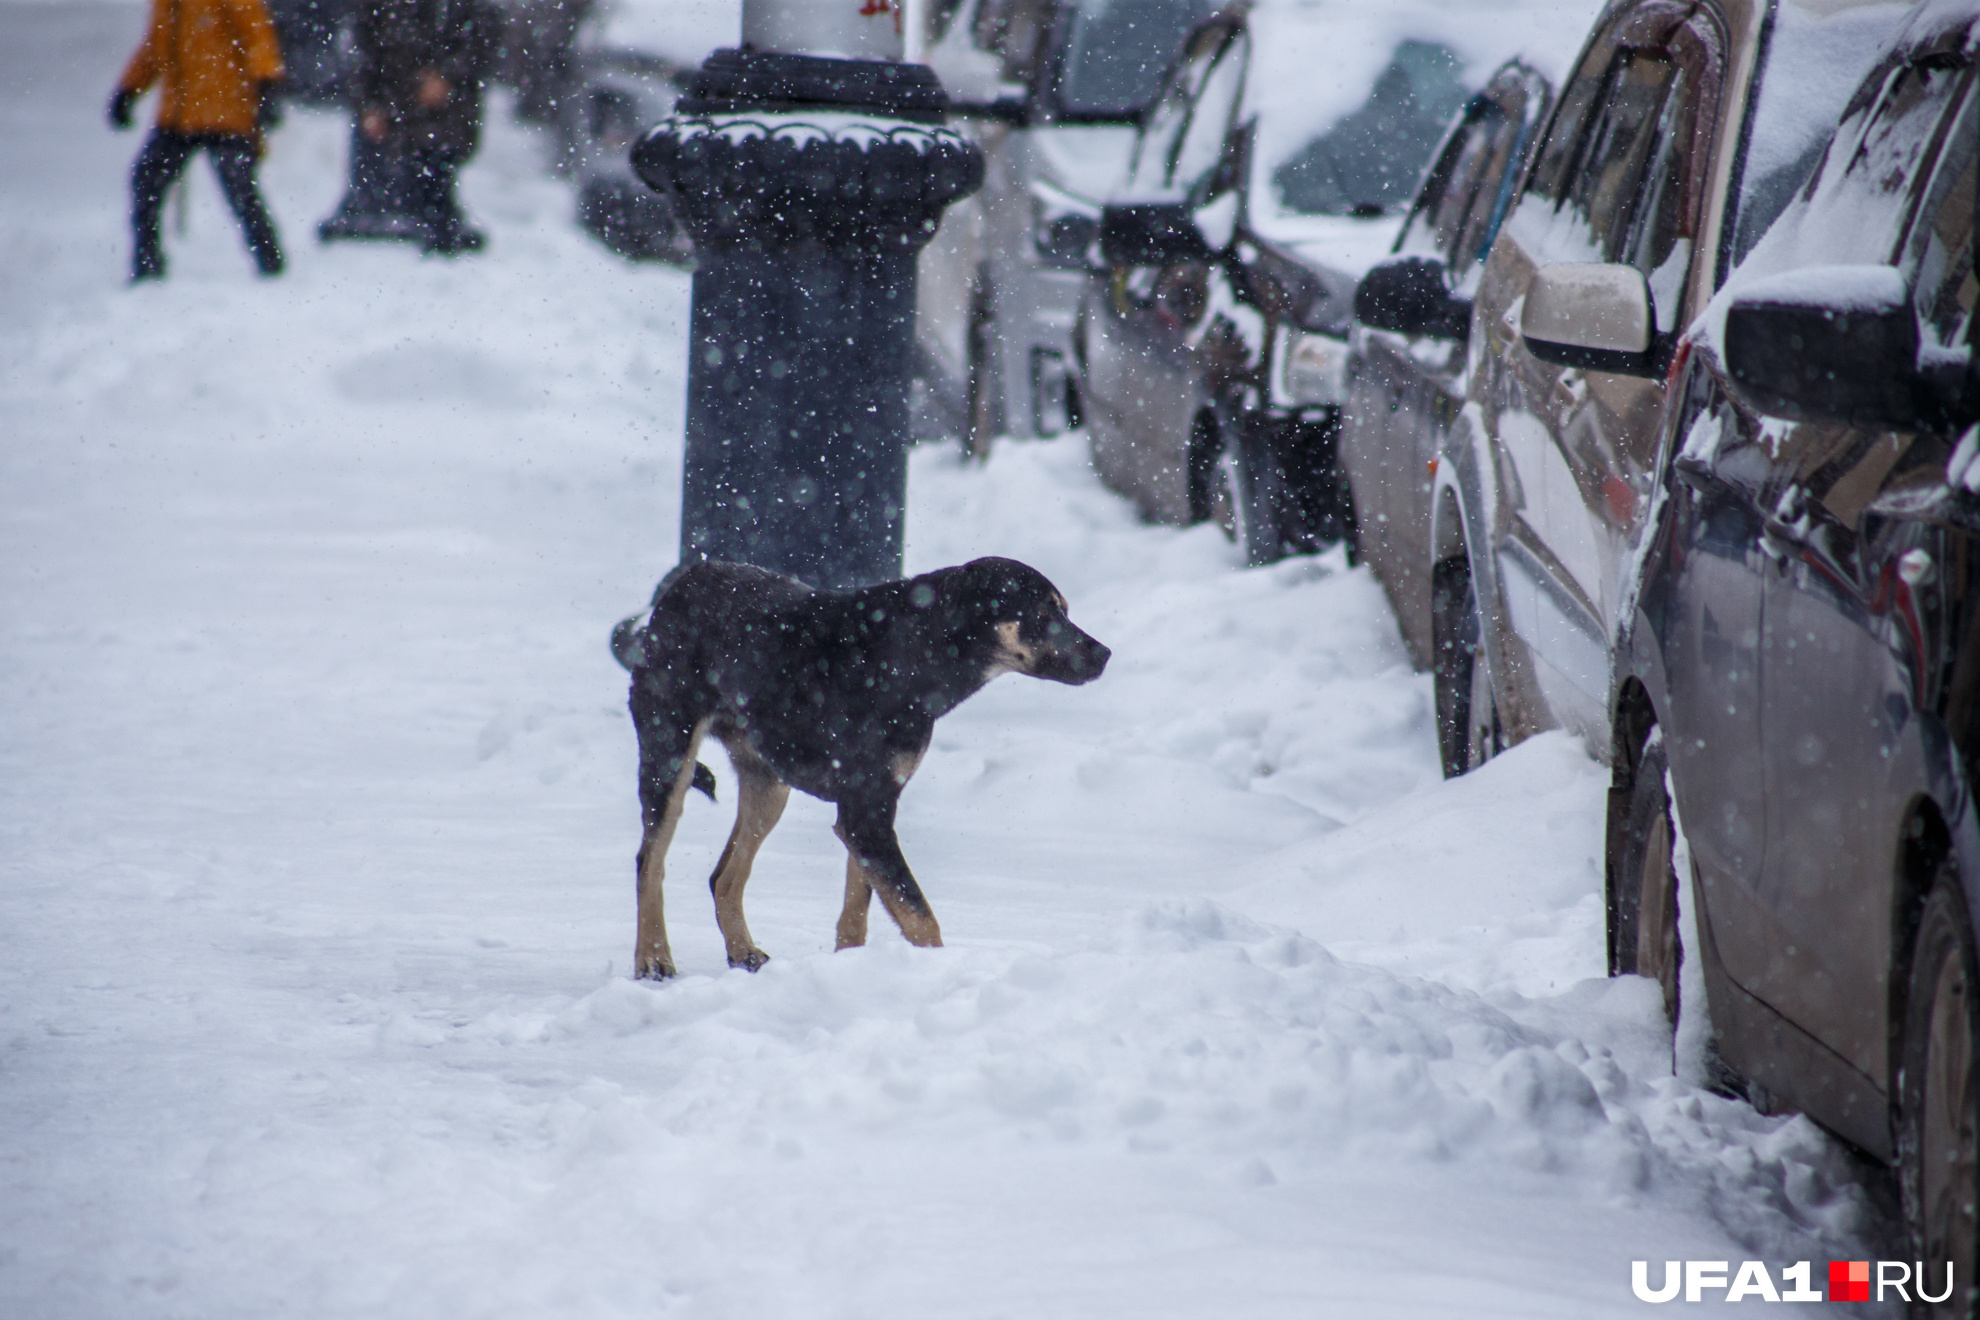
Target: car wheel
point(985, 390)
point(1468, 728)
point(1205, 485)
point(1250, 488)
point(1350, 524)
point(1939, 1129)
point(1644, 878)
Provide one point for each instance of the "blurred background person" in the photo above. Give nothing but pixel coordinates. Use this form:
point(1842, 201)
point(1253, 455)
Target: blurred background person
point(417, 91)
point(216, 63)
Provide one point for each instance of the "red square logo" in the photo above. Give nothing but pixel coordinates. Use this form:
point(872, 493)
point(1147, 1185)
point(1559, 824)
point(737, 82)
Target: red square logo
point(1849, 1280)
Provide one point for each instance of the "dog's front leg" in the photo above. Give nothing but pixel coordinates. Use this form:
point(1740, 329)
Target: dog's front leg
point(663, 789)
point(867, 827)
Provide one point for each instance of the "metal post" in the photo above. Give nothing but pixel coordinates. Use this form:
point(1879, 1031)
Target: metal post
point(809, 166)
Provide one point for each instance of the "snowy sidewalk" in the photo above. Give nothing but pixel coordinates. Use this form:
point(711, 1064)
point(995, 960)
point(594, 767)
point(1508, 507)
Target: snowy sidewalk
point(317, 821)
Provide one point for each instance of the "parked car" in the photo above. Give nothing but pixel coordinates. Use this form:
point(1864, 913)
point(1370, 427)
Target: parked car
point(1797, 682)
point(1050, 89)
point(1213, 342)
point(1640, 196)
point(621, 94)
point(1174, 330)
point(1407, 359)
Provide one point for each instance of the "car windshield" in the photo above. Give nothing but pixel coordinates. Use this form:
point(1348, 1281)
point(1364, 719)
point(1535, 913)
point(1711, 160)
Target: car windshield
point(1370, 159)
point(1117, 50)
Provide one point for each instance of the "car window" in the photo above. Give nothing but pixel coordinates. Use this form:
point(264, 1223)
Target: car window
point(1615, 180)
point(1879, 165)
point(1451, 190)
point(1857, 204)
point(1558, 152)
point(1623, 132)
point(1813, 56)
point(1200, 145)
point(1918, 117)
point(1372, 158)
point(1472, 238)
point(1168, 117)
point(1014, 31)
point(1942, 242)
point(1116, 52)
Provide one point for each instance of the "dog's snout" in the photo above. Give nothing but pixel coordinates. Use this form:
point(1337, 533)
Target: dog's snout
point(1089, 658)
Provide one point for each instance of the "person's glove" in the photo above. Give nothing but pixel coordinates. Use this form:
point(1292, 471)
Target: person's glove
point(268, 111)
point(121, 106)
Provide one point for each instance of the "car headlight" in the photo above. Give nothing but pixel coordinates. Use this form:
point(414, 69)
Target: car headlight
point(1311, 368)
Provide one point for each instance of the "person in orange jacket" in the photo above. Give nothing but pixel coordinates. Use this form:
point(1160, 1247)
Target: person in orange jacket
point(217, 64)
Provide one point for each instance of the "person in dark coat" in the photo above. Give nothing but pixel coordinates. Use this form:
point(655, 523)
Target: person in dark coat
point(417, 90)
point(216, 64)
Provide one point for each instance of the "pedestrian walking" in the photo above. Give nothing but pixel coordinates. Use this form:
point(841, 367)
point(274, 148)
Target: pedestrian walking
point(420, 70)
point(216, 64)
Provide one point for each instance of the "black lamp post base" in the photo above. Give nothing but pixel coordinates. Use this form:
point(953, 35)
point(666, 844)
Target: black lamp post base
point(806, 224)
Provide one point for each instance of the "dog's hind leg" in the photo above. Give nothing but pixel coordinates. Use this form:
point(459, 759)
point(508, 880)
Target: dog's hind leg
point(867, 829)
point(665, 772)
point(859, 898)
point(760, 799)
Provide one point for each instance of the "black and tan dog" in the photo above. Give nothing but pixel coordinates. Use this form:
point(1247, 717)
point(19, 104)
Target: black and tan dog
point(832, 692)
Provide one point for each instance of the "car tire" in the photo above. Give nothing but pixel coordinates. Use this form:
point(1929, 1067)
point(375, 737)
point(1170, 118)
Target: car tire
point(1350, 524)
point(1469, 732)
point(984, 387)
point(1939, 1098)
point(1644, 880)
point(1205, 488)
point(1253, 490)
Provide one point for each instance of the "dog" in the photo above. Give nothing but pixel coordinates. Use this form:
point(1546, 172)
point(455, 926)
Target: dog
point(835, 693)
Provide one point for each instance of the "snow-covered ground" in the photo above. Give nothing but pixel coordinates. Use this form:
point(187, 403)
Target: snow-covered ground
point(317, 822)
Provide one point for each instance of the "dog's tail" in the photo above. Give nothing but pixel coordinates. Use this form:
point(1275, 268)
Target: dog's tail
point(629, 649)
point(629, 642)
point(629, 639)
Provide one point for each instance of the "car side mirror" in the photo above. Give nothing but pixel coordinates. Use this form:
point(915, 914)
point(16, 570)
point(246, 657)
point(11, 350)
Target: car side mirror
point(1831, 344)
point(1065, 240)
point(1151, 234)
point(1597, 317)
point(1409, 297)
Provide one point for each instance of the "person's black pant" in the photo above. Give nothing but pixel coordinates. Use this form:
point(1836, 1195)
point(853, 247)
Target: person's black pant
point(163, 160)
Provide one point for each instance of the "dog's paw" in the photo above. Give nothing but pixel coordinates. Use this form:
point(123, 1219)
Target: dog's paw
point(751, 961)
point(655, 971)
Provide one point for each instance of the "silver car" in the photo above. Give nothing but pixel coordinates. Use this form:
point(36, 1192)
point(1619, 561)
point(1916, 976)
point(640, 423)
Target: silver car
point(1680, 136)
point(1051, 90)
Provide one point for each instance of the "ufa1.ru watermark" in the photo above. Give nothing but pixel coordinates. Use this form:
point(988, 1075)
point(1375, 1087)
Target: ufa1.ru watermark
point(1849, 1281)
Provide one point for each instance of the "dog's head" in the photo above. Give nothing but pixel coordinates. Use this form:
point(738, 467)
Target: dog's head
point(1027, 618)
